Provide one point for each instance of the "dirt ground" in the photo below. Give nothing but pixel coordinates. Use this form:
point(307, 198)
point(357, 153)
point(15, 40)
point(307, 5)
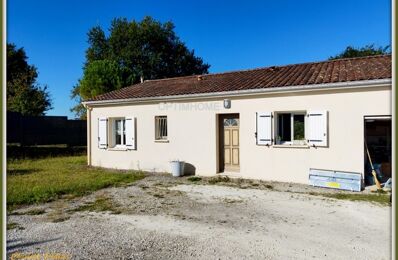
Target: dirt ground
point(161, 217)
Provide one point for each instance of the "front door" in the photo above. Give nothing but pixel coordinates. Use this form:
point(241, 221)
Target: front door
point(230, 142)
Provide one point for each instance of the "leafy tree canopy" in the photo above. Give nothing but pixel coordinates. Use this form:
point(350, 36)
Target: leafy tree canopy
point(148, 49)
point(368, 50)
point(24, 94)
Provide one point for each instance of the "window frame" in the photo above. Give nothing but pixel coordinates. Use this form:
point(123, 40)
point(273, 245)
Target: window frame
point(114, 132)
point(161, 135)
point(292, 142)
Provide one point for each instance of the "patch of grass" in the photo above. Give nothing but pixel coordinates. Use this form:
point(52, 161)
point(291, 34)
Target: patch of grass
point(60, 219)
point(382, 199)
point(21, 171)
point(158, 195)
point(14, 225)
point(268, 186)
point(52, 178)
point(158, 184)
point(219, 179)
point(194, 179)
point(101, 203)
point(30, 212)
point(58, 214)
point(380, 191)
point(240, 181)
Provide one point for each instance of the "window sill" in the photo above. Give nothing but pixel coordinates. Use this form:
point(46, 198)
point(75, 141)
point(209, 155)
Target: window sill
point(291, 146)
point(161, 141)
point(118, 149)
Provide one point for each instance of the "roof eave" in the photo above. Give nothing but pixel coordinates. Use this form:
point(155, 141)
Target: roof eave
point(248, 92)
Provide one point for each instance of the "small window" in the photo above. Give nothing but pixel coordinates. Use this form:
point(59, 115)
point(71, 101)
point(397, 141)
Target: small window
point(119, 132)
point(290, 128)
point(231, 122)
point(161, 128)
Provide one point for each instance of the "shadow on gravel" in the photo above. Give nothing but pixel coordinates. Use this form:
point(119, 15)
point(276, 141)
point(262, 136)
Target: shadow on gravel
point(20, 246)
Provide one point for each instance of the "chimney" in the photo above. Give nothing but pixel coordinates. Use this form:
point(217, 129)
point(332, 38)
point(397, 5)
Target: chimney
point(142, 79)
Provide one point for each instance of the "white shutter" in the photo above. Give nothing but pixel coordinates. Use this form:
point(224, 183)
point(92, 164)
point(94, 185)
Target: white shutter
point(317, 128)
point(130, 133)
point(102, 132)
point(264, 128)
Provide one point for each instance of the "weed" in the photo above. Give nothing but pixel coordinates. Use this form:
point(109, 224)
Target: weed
point(240, 181)
point(194, 179)
point(34, 212)
point(157, 195)
point(14, 225)
point(101, 203)
point(60, 219)
point(268, 186)
point(219, 179)
point(379, 191)
point(58, 214)
point(382, 199)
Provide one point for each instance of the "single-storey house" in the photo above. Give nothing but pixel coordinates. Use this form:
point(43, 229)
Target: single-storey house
point(273, 123)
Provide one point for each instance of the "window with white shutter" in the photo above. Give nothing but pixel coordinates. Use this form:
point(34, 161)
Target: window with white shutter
point(264, 128)
point(102, 132)
point(317, 128)
point(130, 133)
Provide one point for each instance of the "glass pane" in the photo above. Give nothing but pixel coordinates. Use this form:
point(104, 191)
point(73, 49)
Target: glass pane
point(298, 127)
point(231, 122)
point(165, 128)
point(234, 122)
point(118, 132)
point(284, 128)
point(157, 128)
point(161, 127)
point(124, 131)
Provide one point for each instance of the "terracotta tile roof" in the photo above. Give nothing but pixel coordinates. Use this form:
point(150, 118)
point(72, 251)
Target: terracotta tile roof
point(342, 70)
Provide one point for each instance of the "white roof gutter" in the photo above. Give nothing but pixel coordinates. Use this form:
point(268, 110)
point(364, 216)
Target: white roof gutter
point(247, 92)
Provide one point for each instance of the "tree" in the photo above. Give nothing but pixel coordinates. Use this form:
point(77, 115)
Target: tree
point(148, 49)
point(368, 50)
point(24, 94)
point(100, 76)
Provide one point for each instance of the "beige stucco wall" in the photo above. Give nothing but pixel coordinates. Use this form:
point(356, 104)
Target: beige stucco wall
point(192, 131)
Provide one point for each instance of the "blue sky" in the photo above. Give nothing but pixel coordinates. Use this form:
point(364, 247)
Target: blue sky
point(229, 35)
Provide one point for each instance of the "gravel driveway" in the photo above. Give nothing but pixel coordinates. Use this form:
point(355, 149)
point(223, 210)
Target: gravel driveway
point(163, 218)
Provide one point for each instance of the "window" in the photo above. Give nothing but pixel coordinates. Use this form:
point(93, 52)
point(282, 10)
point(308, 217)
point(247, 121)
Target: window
point(290, 128)
point(231, 122)
point(309, 128)
point(161, 128)
point(119, 132)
